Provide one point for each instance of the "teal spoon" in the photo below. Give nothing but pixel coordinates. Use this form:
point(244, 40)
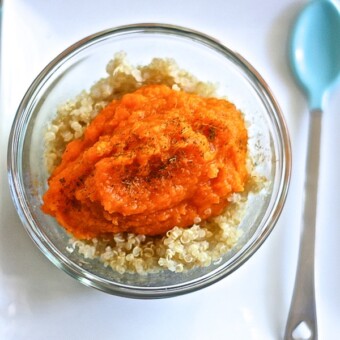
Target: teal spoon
point(315, 62)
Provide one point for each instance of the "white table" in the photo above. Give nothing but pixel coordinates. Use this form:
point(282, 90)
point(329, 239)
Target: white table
point(38, 301)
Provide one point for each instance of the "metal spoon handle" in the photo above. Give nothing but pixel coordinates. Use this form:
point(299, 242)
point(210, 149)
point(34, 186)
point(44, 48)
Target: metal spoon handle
point(302, 310)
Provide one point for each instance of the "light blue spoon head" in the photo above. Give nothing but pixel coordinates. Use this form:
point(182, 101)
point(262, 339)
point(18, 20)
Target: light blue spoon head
point(315, 50)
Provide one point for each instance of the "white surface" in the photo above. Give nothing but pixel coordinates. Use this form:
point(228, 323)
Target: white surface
point(38, 301)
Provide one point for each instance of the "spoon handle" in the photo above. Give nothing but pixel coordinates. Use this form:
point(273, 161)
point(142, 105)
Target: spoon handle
point(302, 314)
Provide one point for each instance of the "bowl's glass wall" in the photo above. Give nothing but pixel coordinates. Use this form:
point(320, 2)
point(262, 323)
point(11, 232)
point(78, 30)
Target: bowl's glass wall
point(78, 69)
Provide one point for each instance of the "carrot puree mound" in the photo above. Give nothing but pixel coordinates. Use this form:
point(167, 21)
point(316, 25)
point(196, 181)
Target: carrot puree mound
point(155, 159)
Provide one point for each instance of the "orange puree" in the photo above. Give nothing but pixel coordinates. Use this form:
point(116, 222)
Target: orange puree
point(155, 159)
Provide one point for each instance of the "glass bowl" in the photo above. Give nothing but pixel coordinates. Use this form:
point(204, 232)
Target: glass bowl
point(81, 65)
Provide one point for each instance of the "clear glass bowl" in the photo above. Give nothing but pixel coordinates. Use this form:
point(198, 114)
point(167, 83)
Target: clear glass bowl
point(81, 65)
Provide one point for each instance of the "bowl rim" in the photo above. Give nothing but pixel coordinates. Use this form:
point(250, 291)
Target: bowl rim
point(93, 280)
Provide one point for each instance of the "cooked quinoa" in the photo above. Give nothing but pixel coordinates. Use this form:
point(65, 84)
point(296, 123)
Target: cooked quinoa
point(181, 248)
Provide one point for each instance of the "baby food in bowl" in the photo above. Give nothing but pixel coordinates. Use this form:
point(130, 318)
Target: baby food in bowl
point(153, 181)
point(156, 165)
